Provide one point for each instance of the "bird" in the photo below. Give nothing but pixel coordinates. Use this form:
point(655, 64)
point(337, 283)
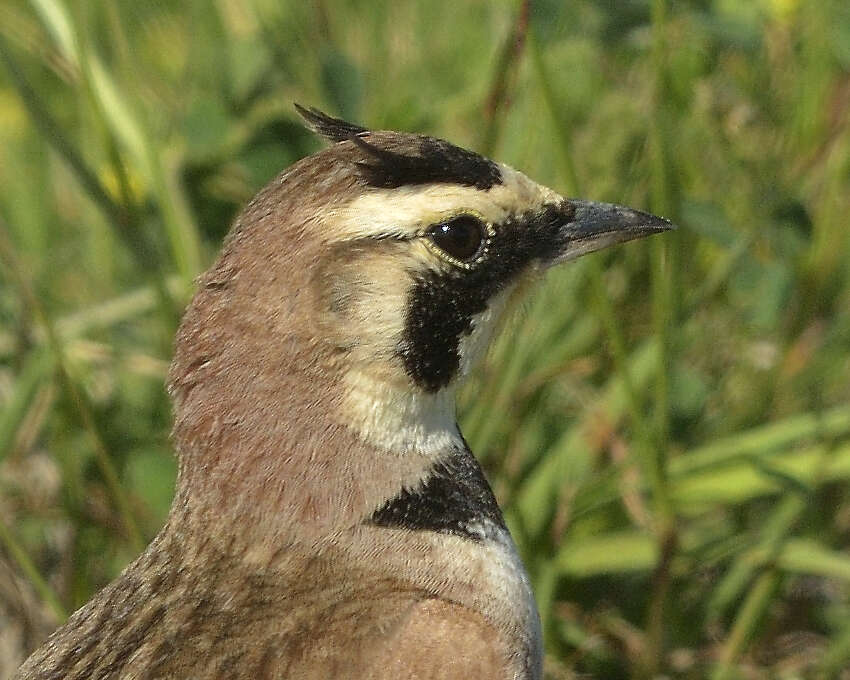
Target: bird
point(329, 519)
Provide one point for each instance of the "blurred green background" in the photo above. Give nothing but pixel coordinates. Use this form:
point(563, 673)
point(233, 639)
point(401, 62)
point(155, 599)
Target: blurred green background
point(667, 424)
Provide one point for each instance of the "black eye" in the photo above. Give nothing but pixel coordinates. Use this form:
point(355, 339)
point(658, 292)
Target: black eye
point(460, 237)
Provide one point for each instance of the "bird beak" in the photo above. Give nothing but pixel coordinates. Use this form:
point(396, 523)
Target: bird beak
point(598, 225)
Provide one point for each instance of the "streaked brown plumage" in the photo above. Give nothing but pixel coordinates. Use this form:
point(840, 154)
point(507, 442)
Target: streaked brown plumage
point(329, 521)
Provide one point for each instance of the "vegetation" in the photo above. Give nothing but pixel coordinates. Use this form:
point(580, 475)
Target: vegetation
point(667, 424)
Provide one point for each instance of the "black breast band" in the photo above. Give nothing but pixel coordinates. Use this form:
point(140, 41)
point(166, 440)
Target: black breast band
point(454, 498)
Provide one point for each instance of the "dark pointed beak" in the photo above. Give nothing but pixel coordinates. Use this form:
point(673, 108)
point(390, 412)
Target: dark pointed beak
point(594, 226)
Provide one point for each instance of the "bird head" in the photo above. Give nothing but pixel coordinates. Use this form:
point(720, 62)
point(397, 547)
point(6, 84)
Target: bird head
point(362, 284)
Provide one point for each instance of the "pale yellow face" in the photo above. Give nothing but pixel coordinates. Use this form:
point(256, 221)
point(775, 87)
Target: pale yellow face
point(380, 251)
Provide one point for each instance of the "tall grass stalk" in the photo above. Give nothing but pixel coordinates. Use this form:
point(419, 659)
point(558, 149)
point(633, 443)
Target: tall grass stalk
point(75, 393)
point(663, 313)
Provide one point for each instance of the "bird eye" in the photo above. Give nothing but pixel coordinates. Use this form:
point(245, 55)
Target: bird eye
point(460, 238)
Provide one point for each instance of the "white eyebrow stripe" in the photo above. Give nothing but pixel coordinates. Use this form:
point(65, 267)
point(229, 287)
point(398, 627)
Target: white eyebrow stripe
point(406, 211)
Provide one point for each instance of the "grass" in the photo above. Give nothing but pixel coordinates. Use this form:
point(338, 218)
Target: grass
point(668, 424)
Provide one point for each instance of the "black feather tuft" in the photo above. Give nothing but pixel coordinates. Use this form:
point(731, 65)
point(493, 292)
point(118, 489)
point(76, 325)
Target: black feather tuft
point(332, 129)
point(416, 160)
point(434, 160)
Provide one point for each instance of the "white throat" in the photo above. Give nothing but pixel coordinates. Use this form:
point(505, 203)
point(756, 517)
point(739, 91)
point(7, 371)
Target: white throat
point(400, 419)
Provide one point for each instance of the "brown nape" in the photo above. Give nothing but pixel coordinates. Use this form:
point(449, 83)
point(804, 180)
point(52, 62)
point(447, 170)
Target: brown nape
point(256, 380)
